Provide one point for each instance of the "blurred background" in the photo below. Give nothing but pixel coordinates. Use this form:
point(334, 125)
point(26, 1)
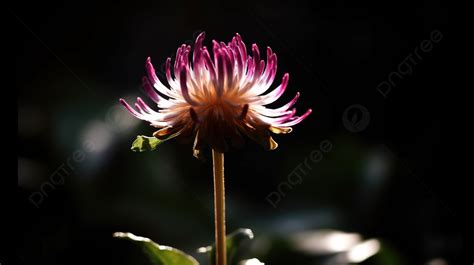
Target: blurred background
point(354, 183)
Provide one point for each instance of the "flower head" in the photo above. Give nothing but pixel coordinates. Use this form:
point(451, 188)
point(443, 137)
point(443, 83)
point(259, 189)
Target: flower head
point(217, 100)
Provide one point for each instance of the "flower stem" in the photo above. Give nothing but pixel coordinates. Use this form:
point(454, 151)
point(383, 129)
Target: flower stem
point(219, 207)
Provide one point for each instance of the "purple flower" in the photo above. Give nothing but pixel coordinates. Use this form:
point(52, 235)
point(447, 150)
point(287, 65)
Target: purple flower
point(217, 100)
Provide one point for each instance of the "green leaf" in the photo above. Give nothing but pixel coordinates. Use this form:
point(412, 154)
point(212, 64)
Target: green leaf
point(144, 143)
point(159, 255)
point(234, 241)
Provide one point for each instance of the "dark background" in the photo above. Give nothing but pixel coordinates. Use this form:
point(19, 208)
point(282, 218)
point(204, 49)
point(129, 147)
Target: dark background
point(74, 60)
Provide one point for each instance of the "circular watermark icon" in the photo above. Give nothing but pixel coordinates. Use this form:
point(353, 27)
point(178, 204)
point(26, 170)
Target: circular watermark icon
point(356, 118)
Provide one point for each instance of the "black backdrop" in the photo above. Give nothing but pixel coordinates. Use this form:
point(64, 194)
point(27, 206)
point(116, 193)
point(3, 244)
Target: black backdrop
point(74, 60)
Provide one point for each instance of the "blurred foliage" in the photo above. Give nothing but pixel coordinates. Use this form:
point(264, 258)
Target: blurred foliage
point(164, 255)
point(234, 243)
point(159, 255)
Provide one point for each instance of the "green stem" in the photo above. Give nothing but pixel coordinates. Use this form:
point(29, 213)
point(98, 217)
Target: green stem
point(219, 207)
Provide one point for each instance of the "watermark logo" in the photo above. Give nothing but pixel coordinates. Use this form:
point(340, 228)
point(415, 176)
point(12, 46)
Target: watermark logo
point(356, 118)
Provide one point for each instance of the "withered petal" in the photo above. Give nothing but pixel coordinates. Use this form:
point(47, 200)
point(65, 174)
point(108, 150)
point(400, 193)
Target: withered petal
point(280, 130)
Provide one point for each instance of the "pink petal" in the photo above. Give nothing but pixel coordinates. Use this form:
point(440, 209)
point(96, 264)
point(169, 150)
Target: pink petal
point(218, 54)
point(156, 82)
point(209, 64)
point(130, 109)
point(297, 120)
point(146, 107)
point(276, 93)
point(149, 90)
point(286, 106)
point(242, 48)
point(184, 86)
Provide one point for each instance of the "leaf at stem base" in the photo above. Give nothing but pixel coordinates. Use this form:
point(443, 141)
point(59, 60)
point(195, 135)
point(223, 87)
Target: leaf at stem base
point(158, 254)
point(234, 241)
